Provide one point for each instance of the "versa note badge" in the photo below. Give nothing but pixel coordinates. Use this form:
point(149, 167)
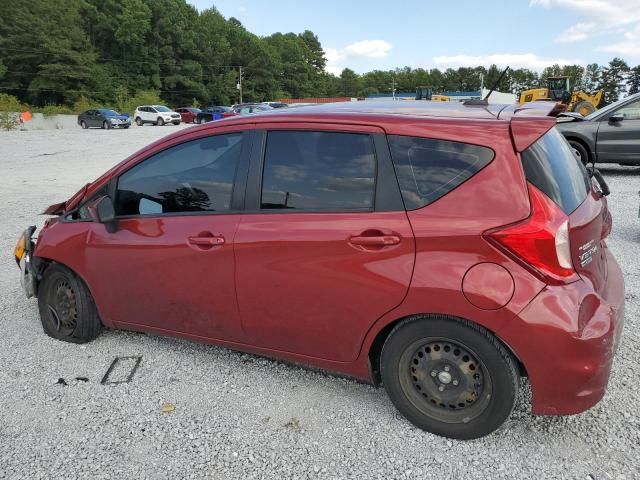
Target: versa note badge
point(586, 252)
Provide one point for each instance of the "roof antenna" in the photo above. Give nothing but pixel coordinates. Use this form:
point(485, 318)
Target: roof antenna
point(485, 101)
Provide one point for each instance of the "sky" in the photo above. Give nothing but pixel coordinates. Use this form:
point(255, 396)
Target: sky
point(371, 34)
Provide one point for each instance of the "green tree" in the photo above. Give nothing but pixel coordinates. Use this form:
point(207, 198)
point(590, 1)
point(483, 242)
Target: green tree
point(349, 83)
point(591, 81)
point(612, 80)
point(634, 80)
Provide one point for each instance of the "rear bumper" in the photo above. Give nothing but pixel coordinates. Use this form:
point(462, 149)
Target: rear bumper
point(566, 338)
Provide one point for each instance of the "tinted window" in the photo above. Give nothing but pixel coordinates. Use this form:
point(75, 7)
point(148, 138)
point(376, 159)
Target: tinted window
point(428, 169)
point(552, 167)
point(191, 177)
point(631, 111)
point(318, 171)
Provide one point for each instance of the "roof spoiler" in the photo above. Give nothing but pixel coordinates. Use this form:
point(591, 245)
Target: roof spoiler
point(526, 130)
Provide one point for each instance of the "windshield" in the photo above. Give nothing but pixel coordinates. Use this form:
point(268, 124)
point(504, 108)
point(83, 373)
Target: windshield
point(610, 107)
point(109, 113)
point(161, 108)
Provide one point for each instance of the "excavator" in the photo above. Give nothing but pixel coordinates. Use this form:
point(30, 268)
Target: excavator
point(558, 91)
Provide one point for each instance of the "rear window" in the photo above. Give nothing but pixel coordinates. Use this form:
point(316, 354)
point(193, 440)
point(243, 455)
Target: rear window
point(428, 169)
point(552, 167)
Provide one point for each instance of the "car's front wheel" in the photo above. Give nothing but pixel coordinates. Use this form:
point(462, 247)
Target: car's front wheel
point(67, 310)
point(160, 122)
point(580, 151)
point(106, 125)
point(83, 124)
point(449, 376)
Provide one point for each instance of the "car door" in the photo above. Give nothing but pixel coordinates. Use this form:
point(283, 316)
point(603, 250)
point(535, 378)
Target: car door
point(90, 118)
point(325, 247)
point(169, 266)
point(619, 141)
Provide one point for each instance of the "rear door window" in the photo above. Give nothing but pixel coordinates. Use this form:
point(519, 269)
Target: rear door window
point(429, 169)
point(552, 167)
point(328, 171)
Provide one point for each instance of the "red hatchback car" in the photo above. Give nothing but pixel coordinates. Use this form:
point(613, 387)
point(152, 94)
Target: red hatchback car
point(441, 250)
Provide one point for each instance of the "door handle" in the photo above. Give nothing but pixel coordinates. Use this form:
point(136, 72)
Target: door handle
point(206, 241)
point(375, 241)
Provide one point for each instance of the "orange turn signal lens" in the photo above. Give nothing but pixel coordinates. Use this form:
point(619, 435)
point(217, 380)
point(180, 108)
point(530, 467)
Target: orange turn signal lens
point(18, 252)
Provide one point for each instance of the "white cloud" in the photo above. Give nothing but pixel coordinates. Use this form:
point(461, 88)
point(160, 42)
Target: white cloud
point(599, 17)
point(514, 60)
point(629, 46)
point(360, 49)
point(576, 33)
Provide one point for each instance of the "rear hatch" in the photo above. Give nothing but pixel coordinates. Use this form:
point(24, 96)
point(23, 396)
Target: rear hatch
point(551, 167)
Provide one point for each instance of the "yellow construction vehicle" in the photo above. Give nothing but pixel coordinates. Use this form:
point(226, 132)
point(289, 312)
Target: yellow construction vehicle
point(426, 93)
point(558, 91)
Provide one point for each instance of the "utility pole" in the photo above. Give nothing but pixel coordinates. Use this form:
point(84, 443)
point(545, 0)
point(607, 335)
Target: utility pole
point(239, 85)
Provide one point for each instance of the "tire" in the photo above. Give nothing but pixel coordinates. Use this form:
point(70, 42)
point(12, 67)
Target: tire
point(139, 121)
point(584, 108)
point(448, 376)
point(160, 122)
point(580, 151)
point(67, 310)
point(106, 125)
point(83, 124)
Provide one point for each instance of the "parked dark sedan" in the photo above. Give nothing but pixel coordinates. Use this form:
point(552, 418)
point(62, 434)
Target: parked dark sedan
point(608, 135)
point(214, 112)
point(103, 118)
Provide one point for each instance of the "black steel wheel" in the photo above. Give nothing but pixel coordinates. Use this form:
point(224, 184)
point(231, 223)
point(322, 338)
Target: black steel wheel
point(66, 307)
point(445, 380)
point(449, 376)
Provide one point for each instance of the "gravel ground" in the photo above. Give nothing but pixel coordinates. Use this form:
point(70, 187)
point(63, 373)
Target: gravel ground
point(240, 416)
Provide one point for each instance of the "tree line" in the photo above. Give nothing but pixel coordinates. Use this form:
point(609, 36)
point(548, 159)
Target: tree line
point(117, 52)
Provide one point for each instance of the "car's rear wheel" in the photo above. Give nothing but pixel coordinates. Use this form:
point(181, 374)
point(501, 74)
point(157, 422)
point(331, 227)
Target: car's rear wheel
point(160, 122)
point(83, 124)
point(449, 376)
point(67, 310)
point(138, 121)
point(580, 151)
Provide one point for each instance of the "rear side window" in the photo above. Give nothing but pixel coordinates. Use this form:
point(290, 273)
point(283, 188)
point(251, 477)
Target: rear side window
point(195, 176)
point(318, 171)
point(552, 167)
point(428, 169)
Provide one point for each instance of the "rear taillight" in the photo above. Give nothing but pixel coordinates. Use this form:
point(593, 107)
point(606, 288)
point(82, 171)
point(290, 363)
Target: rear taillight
point(541, 242)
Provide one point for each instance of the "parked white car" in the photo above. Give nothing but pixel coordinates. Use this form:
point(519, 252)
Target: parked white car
point(155, 114)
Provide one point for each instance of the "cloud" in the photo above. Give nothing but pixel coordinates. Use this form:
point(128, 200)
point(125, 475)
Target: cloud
point(576, 33)
point(514, 60)
point(629, 46)
point(599, 17)
point(355, 50)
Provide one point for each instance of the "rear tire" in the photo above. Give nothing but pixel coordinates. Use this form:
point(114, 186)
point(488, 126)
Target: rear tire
point(67, 310)
point(584, 108)
point(139, 121)
point(448, 376)
point(580, 151)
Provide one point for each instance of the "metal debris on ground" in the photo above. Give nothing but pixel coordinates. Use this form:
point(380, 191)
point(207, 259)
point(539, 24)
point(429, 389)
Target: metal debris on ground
point(121, 370)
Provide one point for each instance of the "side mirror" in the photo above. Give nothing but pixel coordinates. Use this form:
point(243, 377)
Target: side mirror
point(103, 211)
point(616, 118)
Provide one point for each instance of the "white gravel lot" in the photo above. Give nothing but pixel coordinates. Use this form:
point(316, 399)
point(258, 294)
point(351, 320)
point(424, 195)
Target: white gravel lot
point(240, 416)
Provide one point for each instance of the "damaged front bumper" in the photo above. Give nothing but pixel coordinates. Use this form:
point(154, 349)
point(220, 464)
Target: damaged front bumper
point(22, 254)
